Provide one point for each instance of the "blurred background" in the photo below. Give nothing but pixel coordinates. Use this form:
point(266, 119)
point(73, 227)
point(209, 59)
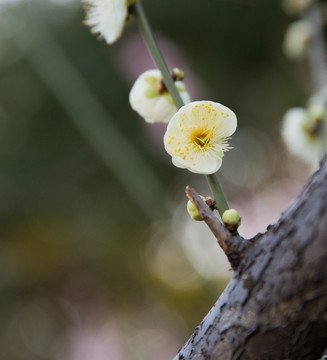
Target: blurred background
point(98, 257)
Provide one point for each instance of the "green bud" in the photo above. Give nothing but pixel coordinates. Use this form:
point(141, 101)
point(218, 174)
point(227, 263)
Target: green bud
point(231, 219)
point(193, 211)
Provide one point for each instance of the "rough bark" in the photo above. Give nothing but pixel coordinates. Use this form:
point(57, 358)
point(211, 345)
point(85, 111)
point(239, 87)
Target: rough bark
point(275, 306)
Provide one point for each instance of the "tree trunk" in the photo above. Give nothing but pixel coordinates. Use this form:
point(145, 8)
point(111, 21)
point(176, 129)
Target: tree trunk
point(275, 306)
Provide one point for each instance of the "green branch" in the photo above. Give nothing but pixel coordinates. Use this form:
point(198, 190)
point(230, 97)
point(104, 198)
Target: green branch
point(155, 52)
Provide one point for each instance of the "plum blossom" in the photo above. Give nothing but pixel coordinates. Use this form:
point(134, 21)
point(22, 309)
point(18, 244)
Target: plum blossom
point(302, 133)
point(150, 98)
point(197, 136)
point(106, 17)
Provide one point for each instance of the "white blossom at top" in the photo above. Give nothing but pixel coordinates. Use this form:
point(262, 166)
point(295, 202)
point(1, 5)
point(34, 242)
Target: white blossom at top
point(197, 136)
point(296, 6)
point(296, 40)
point(106, 17)
point(302, 135)
point(150, 99)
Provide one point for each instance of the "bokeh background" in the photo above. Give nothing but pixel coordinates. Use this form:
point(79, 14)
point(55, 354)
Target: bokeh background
point(98, 257)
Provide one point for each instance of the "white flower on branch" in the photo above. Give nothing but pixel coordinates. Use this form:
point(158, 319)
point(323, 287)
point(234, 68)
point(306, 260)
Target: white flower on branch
point(302, 132)
point(296, 40)
point(197, 136)
point(106, 17)
point(150, 98)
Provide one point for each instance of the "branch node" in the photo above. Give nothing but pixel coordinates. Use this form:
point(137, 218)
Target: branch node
point(232, 245)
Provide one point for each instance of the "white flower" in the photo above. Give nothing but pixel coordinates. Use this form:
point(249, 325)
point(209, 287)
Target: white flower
point(296, 6)
point(297, 37)
point(302, 135)
point(197, 136)
point(150, 99)
point(106, 17)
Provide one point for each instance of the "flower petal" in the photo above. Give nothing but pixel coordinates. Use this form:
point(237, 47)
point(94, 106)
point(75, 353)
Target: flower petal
point(205, 167)
point(297, 140)
point(147, 101)
point(106, 17)
point(196, 136)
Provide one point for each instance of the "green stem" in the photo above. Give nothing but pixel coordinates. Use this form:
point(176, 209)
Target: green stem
point(158, 59)
point(156, 53)
point(221, 203)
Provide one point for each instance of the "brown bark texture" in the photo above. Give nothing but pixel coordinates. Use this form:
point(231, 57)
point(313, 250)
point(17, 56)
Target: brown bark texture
point(275, 306)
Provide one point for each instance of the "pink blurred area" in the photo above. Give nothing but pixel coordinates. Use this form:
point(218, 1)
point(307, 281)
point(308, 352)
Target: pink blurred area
point(87, 343)
point(265, 206)
point(97, 331)
point(132, 58)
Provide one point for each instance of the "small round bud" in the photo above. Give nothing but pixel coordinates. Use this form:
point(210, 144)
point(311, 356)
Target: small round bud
point(231, 219)
point(193, 211)
point(177, 74)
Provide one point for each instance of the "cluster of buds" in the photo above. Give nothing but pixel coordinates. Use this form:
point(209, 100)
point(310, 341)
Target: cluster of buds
point(231, 218)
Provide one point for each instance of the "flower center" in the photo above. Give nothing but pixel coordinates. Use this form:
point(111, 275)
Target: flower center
point(313, 129)
point(202, 139)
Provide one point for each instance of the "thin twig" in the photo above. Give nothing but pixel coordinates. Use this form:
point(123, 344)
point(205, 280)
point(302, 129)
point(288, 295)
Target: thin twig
point(222, 235)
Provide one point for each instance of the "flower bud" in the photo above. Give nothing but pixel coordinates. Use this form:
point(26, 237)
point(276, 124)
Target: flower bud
point(193, 211)
point(231, 219)
point(177, 74)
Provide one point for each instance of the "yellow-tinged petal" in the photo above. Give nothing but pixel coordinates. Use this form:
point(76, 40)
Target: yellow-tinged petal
point(197, 136)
